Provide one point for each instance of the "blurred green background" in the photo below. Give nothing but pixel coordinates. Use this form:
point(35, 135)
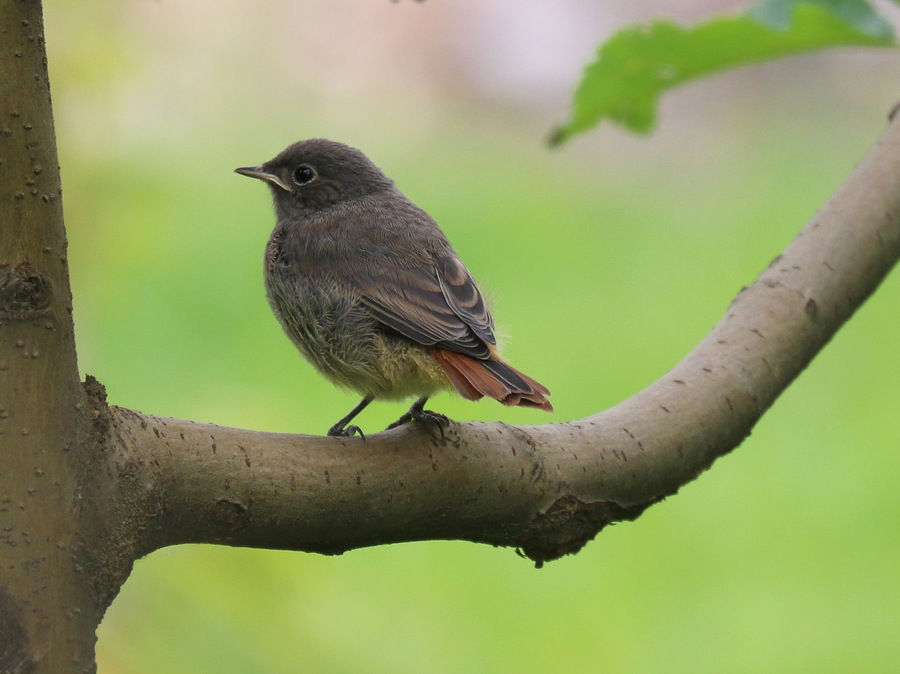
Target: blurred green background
point(607, 260)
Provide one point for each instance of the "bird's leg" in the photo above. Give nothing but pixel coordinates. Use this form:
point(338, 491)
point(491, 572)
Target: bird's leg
point(417, 412)
point(342, 429)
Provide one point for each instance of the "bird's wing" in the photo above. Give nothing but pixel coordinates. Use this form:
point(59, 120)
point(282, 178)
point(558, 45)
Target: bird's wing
point(435, 305)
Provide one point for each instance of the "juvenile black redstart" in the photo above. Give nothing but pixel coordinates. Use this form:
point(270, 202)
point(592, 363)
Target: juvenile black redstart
point(368, 288)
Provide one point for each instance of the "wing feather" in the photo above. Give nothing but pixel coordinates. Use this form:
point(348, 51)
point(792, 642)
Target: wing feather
point(435, 305)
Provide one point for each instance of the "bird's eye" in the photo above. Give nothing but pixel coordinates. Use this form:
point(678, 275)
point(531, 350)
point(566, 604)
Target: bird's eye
point(303, 174)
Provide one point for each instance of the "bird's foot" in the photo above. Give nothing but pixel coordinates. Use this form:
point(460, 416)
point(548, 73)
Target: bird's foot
point(341, 431)
point(343, 428)
point(418, 414)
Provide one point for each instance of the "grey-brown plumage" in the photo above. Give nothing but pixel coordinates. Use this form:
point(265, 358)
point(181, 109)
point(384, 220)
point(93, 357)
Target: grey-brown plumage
point(368, 288)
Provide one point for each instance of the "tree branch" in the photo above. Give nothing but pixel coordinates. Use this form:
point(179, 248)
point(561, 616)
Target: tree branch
point(544, 489)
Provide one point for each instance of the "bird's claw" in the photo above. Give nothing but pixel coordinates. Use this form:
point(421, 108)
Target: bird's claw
point(338, 431)
point(423, 417)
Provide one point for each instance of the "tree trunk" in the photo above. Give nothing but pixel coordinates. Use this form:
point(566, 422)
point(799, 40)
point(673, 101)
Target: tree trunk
point(48, 609)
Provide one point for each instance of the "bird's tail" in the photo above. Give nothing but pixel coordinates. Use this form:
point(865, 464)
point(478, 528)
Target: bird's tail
point(474, 378)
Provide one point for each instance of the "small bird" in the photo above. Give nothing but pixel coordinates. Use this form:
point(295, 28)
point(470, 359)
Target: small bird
point(371, 292)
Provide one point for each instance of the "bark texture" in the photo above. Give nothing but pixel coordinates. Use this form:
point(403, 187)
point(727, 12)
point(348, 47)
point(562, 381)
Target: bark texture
point(48, 613)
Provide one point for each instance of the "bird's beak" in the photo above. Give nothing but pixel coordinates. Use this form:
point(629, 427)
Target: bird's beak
point(258, 172)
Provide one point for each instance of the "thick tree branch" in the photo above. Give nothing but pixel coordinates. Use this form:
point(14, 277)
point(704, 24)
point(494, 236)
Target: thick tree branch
point(544, 489)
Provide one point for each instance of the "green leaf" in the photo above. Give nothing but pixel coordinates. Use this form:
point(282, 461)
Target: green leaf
point(640, 62)
point(858, 13)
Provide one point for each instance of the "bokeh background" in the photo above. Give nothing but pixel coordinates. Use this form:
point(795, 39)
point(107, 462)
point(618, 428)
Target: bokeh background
point(606, 259)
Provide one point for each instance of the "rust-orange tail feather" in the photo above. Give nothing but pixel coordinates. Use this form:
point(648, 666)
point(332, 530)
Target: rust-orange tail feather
point(474, 378)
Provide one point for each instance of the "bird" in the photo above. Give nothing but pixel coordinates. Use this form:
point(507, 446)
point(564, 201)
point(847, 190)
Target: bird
point(371, 292)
